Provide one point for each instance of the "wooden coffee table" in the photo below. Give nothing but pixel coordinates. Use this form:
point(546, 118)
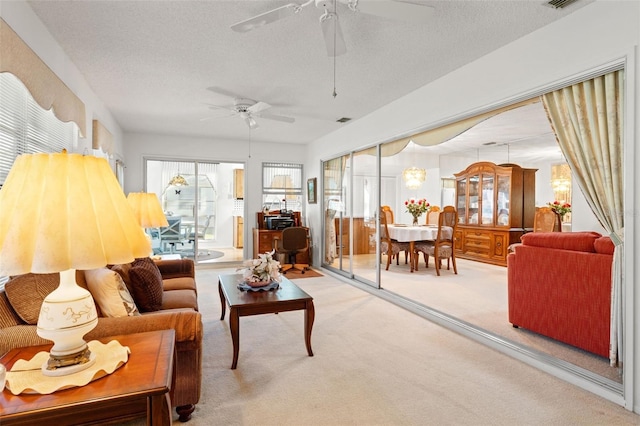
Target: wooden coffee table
point(143, 382)
point(289, 297)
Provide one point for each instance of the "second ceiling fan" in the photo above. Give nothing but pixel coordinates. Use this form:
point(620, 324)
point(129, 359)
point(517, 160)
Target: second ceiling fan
point(331, 30)
point(247, 109)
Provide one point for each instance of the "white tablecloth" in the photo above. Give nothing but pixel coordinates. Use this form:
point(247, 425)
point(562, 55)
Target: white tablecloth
point(416, 233)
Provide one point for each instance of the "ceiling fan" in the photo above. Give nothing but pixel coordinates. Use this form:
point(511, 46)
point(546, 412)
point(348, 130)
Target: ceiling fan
point(332, 32)
point(247, 109)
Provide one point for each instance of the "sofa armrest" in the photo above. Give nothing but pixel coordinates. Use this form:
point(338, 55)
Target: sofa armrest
point(186, 322)
point(176, 268)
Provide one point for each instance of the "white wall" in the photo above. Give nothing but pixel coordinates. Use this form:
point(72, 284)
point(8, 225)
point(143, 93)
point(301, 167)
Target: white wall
point(600, 33)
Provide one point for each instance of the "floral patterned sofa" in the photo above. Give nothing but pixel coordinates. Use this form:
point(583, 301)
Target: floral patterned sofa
point(559, 285)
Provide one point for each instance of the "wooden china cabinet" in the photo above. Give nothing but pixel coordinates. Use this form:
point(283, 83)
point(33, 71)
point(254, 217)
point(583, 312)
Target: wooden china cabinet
point(496, 205)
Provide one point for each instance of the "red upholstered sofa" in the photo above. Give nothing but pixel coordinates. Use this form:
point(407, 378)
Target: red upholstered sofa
point(559, 285)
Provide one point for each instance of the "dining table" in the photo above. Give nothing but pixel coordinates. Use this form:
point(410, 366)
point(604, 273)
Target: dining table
point(412, 233)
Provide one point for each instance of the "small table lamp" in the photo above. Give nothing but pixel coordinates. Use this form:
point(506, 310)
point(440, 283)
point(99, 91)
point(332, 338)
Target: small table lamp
point(58, 213)
point(146, 208)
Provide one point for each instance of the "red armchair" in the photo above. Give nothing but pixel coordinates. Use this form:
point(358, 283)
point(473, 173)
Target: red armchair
point(559, 285)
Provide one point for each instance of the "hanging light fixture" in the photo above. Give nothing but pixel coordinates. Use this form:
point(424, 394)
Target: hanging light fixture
point(414, 176)
point(178, 180)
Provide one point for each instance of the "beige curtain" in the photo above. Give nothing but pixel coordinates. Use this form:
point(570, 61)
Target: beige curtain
point(44, 85)
point(332, 187)
point(587, 120)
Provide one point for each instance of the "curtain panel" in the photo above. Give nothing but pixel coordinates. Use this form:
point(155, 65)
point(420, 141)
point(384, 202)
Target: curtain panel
point(44, 85)
point(587, 120)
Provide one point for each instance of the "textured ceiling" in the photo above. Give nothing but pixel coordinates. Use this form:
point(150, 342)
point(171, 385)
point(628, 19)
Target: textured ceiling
point(152, 61)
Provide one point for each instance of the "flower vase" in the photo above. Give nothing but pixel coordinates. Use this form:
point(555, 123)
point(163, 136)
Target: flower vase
point(415, 220)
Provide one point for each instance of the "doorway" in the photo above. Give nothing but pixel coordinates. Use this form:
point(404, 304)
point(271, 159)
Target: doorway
point(204, 205)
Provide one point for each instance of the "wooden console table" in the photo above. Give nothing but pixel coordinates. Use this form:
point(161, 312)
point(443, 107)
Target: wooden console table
point(143, 383)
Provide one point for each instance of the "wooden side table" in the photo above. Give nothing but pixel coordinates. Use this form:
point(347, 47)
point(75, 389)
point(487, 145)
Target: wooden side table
point(143, 383)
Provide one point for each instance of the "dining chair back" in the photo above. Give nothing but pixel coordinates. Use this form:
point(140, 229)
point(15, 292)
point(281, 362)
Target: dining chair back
point(546, 220)
point(171, 234)
point(432, 215)
point(442, 247)
point(387, 212)
point(390, 247)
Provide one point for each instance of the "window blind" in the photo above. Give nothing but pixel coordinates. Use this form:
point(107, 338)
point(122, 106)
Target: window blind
point(25, 128)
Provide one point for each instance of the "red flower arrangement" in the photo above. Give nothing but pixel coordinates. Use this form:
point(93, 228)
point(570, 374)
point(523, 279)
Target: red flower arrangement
point(417, 207)
point(560, 208)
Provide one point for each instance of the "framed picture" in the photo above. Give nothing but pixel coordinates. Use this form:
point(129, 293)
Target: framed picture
point(311, 190)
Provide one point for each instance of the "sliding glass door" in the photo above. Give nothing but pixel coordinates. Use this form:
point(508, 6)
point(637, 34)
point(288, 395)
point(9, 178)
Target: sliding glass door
point(199, 201)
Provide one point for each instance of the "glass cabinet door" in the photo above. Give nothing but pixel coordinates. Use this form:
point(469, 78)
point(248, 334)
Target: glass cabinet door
point(487, 200)
point(474, 200)
point(461, 192)
point(502, 201)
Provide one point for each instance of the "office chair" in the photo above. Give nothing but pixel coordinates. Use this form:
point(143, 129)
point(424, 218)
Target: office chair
point(294, 240)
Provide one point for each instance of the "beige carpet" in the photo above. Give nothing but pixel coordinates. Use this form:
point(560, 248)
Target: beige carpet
point(374, 364)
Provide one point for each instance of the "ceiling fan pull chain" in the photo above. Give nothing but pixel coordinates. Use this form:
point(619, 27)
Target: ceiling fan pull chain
point(335, 32)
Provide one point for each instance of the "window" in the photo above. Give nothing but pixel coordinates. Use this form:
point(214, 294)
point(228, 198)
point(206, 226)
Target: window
point(25, 128)
point(282, 186)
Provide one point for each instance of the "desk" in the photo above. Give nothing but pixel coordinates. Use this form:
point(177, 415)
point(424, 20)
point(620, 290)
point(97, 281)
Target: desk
point(289, 297)
point(141, 384)
point(411, 234)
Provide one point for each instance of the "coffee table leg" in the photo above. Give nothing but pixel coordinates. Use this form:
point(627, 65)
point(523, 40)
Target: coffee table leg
point(234, 325)
point(222, 301)
point(309, 317)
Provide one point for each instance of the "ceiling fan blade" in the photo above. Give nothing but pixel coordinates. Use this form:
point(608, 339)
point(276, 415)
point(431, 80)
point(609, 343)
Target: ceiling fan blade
point(397, 10)
point(265, 18)
point(331, 32)
point(258, 106)
point(278, 118)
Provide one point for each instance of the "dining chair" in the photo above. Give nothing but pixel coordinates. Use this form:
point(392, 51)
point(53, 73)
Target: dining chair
point(432, 215)
point(546, 220)
point(442, 246)
point(389, 246)
point(387, 212)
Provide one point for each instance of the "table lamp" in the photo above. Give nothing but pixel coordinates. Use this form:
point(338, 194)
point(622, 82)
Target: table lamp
point(58, 213)
point(146, 208)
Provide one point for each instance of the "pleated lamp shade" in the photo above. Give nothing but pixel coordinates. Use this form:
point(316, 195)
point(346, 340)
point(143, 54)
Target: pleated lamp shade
point(63, 211)
point(146, 208)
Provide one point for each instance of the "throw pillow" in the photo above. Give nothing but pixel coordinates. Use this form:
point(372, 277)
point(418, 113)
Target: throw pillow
point(146, 284)
point(110, 293)
point(27, 292)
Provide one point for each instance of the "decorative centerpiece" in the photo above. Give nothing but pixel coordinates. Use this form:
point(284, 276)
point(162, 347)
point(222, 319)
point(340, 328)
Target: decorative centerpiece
point(560, 208)
point(261, 272)
point(416, 208)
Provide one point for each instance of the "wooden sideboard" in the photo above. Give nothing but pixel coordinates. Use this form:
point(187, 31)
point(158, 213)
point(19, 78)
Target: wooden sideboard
point(496, 205)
